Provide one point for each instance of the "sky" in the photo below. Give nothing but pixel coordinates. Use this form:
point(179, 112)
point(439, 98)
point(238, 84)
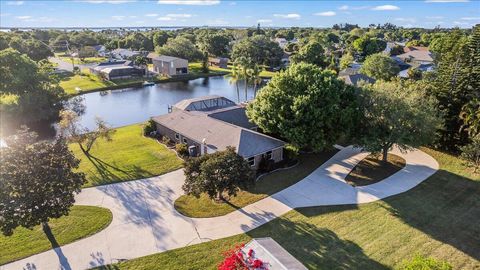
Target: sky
point(138, 13)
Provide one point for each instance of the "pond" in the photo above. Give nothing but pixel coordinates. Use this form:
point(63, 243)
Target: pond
point(134, 105)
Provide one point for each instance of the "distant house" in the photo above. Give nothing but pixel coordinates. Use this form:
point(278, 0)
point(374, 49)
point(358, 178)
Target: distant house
point(218, 62)
point(285, 59)
point(169, 65)
point(101, 50)
point(124, 54)
point(272, 254)
point(282, 42)
point(117, 70)
point(355, 79)
point(352, 69)
point(209, 124)
point(416, 57)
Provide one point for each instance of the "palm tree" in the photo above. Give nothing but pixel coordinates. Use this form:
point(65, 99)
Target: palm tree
point(142, 62)
point(234, 78)
point(246, 75)
point(256, 79)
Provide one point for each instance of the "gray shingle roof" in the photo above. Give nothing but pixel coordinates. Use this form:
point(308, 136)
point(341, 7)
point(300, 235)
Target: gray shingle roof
point(218, 135)
point(205, 103)
point(234, 115)
point(166, 58)
point(356, 78)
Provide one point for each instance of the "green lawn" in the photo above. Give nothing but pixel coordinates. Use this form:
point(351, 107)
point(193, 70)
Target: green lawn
point(129, 156)
point(197, 68)
point(85, 81)
point(439, 218)
point(265, 186)
point(78, 61)
point(82, 221)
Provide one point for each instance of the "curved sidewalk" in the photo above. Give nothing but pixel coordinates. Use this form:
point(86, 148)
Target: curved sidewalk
point(145, 221)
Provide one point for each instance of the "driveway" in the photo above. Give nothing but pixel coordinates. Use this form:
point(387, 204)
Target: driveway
point(145, 221)
point(63, 65)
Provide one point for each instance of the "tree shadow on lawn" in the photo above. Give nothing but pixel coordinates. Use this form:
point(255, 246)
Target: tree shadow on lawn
point(315, 247)
point(108, 173)
point(446, 207)
point(56, 247)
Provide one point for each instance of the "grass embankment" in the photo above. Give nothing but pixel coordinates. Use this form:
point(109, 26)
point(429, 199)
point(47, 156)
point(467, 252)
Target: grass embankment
point(197, 67)
point(129, 156)
point(78, 61)
point(82, 221)
point(439, 218)
point(371, 170)
point(267, 185)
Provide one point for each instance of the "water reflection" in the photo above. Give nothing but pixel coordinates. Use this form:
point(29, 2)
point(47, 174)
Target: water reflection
point(133, 105)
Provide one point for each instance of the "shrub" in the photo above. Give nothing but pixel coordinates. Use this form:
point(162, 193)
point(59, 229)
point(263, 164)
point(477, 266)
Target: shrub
point(149, 127)
point(290, 152)
point(166, 141)
point(182, 149)
point(424, 263)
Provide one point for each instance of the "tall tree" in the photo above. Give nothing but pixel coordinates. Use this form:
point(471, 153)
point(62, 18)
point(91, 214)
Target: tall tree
point(312, 53)
point(397, 113)
point(306, 106)
point(380, 67)
point(180, 47)
point(258, 49)
point(217, 174)
point(39, 180)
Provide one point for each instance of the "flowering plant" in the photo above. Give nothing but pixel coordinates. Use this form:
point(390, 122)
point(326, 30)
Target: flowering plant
point(235, 260)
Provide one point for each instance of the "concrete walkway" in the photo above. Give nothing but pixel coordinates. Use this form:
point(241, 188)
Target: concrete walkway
point(145, 221)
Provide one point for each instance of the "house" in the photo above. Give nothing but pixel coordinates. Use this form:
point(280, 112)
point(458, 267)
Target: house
point(218, 62)
point(285, 59)
point(169, 65)
point(352, 69)
point(211, 123)
point(416, 57)
point(282, 42)
point(270, 253)
point(100, 49)
point(124, 54)
point(117, 70)
point(355, 79)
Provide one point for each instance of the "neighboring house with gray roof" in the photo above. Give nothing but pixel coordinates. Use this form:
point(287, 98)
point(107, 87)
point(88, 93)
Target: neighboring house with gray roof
point(169, 65)
point(355, 79)
point(216, 124)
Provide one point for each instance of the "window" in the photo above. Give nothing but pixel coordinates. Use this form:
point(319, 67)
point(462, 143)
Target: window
point(184, 140)
point(177, 137)
point(268, 155)
point(251, 161)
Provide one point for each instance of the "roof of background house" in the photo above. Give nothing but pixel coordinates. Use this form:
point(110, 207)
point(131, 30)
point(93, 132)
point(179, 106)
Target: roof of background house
point(217, 59)
point(348, 71)
point(99, 47)
point(417, 55)
point(110, 68)
point(356, 78)
point(152, 55)
point(414, 48)
point(166, 58)
point(198, 126)
point(269, 251)
point(204, 103)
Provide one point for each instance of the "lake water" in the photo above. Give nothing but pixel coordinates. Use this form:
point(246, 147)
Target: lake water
point(134, 105)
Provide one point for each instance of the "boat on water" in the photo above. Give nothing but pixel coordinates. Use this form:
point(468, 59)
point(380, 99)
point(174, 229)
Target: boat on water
point(147, 83)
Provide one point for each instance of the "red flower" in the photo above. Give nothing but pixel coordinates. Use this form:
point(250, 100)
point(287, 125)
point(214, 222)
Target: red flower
point(250, 252)
point(257, 263)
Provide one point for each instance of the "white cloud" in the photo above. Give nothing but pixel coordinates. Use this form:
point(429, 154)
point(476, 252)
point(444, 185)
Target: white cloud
point(179, 15)
point(409, 20)
point(189, 2)
point(108, 1)
point(470, 18)
point(386, 7)
point(326, 13)
point(446, 1)
point(264, 21)
point(217, 22)
point(132, 17)
point(288, 16)
point(151, 15)
point(165, 19)
point(434, 17)
point(462, 23)
point(15, 3)
point(23, 17)
point(118, 17)
point(344, 7)
point(4, 14)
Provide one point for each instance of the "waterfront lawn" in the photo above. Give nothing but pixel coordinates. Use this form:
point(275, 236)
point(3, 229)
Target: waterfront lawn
point(203, 206)
point(197, 68)
point(82, 221)
point(439, 218)
point(85, 81)
point(129, 156)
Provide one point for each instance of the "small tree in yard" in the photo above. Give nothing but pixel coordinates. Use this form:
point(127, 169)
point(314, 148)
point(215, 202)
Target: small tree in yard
point(85, 138)
point(397, 113)
point(216, 174)
point(38, 181)
point(471, 152)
